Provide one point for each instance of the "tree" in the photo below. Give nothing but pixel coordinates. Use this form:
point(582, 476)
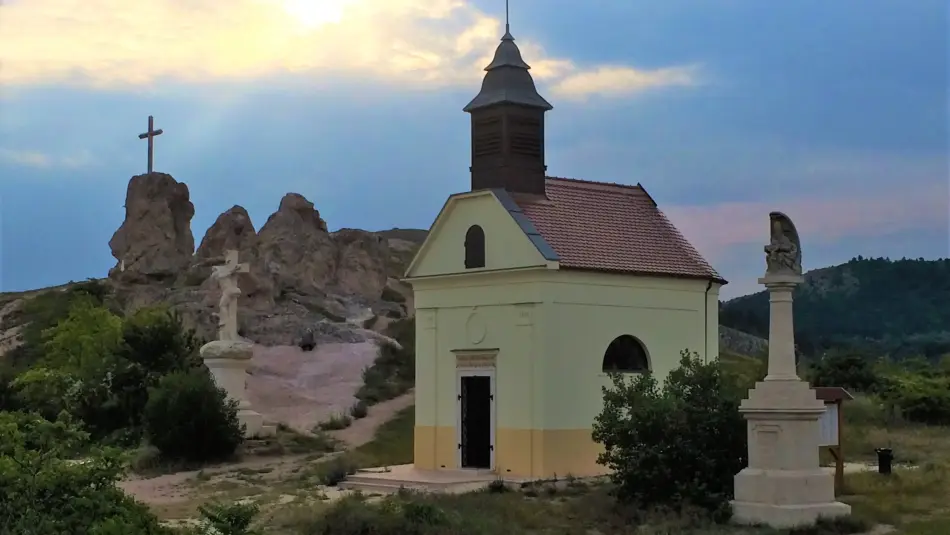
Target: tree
point(677, 445)
point(44, 491)
point(85, 340)
point(188, 418)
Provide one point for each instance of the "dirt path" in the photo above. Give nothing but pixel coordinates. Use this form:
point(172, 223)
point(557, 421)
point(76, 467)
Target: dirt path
point(301, 389)
point(363, 430)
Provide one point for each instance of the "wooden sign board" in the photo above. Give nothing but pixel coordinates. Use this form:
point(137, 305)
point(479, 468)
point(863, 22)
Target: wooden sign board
point(828, 425)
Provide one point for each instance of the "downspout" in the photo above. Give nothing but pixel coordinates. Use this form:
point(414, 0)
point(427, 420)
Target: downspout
point(706, 323)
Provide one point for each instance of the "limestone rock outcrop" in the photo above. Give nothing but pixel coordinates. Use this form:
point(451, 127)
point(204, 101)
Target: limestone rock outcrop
point(155, 240)
point(233, 229)
point(295, 247)
point(361, 263)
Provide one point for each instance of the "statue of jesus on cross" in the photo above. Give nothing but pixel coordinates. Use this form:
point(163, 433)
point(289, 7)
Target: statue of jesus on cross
point(226, 276)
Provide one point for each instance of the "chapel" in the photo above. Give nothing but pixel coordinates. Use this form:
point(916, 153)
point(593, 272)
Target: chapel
point(530, 289)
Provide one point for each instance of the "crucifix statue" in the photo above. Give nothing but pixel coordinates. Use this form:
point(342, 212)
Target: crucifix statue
point(226, 276)
point(150, 135)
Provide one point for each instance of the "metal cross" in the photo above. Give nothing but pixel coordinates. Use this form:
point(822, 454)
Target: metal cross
point(150, 135)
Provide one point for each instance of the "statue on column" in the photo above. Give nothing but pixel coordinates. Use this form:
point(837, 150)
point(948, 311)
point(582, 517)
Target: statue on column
point(226, 275)
point(783, 255)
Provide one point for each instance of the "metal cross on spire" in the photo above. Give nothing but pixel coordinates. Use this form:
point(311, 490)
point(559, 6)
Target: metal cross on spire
point(150, 135)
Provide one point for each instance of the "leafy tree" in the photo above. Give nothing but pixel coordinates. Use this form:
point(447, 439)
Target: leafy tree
point(188, 418)
point(85, 340)
point(44, 390)
point(678, 445)
point(43, 491)
point(847, 369)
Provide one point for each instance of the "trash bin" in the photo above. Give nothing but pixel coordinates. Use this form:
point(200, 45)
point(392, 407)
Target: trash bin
point(885, 456)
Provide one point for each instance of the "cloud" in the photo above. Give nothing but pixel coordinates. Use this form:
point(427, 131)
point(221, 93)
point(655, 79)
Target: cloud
point(819, 220)
point(428, 43)
point(612, 81)
point(42, 160)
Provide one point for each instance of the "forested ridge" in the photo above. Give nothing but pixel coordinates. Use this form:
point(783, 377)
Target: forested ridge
point(879, 306)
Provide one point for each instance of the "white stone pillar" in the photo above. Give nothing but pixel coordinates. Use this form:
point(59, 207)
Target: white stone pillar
point(781, 327)
point(228, 361)
point(783, 486)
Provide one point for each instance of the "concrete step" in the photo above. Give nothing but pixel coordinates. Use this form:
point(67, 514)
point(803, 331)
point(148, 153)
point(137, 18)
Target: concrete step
point(379, 486)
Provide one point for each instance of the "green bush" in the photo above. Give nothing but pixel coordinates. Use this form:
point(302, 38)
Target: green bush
point(228, 519)
point(847, 369)
point(676, 446)
point(918, 398)
point(359, 410)
point(188, 418)
point(335, 423)
point(44, 491)
point(393, 373)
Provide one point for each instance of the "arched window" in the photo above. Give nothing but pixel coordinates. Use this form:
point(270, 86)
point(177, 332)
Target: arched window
point(626, 355)
point(474, 247)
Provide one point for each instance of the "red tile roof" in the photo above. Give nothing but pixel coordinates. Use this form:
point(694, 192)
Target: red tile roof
point(612, 227)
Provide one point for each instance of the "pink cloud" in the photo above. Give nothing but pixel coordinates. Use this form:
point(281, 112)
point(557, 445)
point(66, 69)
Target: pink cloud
point(876, 212)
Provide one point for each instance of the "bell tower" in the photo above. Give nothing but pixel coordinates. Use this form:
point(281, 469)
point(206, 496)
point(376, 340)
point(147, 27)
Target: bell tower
point(508, 125)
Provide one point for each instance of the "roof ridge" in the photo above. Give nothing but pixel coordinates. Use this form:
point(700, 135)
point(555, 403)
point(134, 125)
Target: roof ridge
point(636, 186)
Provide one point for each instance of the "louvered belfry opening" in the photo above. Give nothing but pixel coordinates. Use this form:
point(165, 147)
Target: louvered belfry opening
point(508, 126)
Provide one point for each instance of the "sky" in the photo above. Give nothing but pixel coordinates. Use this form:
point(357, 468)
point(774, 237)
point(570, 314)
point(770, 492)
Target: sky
point(724, 110)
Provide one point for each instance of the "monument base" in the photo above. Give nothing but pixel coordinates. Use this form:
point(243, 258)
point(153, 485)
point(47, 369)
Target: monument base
point(784, 486)
point(763, 496)
point(254, 426)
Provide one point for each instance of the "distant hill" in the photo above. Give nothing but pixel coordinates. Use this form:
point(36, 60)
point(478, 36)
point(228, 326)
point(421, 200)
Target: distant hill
point(877, 305)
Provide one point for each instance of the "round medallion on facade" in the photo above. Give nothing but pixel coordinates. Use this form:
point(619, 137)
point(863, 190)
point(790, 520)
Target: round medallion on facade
point(475, 329)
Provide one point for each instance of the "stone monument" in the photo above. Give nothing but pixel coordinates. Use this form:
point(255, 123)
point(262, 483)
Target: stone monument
point(229, 356)
point(783, 486)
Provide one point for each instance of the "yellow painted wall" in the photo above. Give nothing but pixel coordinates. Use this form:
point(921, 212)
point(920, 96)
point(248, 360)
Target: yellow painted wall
point(550, 330)
point(506, 246)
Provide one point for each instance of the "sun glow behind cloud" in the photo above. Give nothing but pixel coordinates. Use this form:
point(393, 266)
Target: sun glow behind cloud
point(426, 43)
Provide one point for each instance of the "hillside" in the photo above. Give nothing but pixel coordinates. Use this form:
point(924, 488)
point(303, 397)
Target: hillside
point(877, 305)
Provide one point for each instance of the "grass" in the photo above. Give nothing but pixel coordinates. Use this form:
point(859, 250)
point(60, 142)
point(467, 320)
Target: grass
point(335, 423)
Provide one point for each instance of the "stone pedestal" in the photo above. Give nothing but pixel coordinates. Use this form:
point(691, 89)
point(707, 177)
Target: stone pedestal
point(228, 360)
point(783, 485)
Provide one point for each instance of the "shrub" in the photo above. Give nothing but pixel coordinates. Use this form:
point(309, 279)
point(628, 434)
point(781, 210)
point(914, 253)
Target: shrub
point(359, 410)
point(156, 339)
point(188, 418)
point(84, 341)
point(44, 492)
point(229, 519)
point(918, 398)
point(335, 471)
point(43, 390)
point(336, 422)
point(846, 369)
point(676, 446)
point(393, 373)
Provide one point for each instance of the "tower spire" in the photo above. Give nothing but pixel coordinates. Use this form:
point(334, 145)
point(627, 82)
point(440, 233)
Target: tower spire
point(508, 124)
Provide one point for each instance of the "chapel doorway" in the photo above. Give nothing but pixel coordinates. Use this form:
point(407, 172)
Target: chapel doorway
point(476, 421)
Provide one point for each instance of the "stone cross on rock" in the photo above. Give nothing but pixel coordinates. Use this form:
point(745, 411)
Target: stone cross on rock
point(150, 135)
point(226, 275)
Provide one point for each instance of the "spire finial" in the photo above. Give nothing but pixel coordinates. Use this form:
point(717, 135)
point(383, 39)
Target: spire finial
point(507, 28)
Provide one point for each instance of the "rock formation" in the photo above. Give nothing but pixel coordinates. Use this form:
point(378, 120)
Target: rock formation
point(295, 247)
point(155, 240)
point(233, 229)
point(361, 263)
point(300, 276)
